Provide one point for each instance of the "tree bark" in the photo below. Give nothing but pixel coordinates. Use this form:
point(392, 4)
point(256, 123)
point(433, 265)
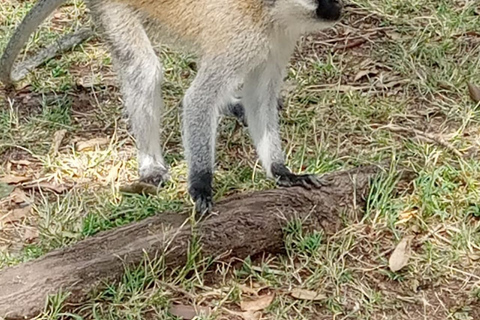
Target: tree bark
point(242, 225)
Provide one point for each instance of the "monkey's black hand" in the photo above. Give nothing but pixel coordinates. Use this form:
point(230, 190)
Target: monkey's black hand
point(201, 192)
point(203, 205)
point(288, 179)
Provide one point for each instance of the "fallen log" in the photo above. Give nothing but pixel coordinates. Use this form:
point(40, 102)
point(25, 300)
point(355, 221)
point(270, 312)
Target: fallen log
point(246, 225)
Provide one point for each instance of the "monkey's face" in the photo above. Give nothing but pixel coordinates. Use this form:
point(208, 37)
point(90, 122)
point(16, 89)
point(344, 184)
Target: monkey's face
point(329, 10)
point(308, 15)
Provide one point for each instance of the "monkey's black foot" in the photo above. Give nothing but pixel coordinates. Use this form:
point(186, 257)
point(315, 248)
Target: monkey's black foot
point(156, 176)
point(201, 192)
point(288, 179)
point(203, 205)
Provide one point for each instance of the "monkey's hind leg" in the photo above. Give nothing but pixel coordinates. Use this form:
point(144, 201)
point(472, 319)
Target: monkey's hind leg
point(140, 73)
point(261, 106)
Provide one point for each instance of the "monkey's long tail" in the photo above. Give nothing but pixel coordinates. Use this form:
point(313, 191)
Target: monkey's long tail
point(40, 11)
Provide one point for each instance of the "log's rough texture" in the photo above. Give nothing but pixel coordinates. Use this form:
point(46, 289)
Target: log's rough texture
point(244, 225)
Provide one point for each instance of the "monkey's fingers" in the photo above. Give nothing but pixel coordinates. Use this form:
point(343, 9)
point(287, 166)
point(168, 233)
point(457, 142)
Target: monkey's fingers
point(157, 177)
point(203, 205)
point(306, 181)
point(319, 181)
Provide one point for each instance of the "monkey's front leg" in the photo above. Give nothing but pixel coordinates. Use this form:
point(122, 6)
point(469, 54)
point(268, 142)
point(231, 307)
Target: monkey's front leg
point(261, 106)
point(201, 108)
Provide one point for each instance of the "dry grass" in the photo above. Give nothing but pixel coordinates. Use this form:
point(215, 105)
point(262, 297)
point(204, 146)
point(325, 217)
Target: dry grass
point(390, 82)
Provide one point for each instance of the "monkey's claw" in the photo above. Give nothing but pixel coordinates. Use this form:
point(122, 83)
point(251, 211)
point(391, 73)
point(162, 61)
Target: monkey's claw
point(201, 191)
point(156, 177)
point(203, 205)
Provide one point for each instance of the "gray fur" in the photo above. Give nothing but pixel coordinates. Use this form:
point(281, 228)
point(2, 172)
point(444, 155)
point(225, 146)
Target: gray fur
point(140, 74)
point(247, 72)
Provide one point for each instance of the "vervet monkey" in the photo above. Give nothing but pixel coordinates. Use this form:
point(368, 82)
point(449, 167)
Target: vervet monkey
point(34, 18)
point(243, 48)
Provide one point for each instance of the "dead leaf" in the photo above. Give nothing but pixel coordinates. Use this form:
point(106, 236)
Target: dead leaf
point(188, 312)
point(474, 92)
point(474, 257)
point(48, 186)
point(113, 174)
point(247, 289)
point(21, 162)
point(406, 215)
point(394, 35)
point(257, 304)
point(401, 254)
point(302, 294)
point(57, 140)
point(16, 214)
point(444, 85)
point(248, 315)
point(364, 73)
point(14, 179)
point(18, 196)
point(30, 234)
point(92, 144)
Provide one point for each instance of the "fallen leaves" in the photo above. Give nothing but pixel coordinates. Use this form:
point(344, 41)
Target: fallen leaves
point(11, 179)
point(252, 307)
point(57, 188)
point(91, 144)
point(249, 290)
point(188, 312)
point(365, 73)
point(406, 216)
point(248, 315)
point(27, 183)
point(257, 304)
point(302, 294)
point(401, 254)
point(30, 234)
point(57, 140)
point(18, 196)
point(474, 92)
point(16, 214)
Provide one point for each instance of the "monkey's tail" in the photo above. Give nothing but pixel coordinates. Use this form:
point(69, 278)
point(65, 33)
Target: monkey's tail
point(40, 11)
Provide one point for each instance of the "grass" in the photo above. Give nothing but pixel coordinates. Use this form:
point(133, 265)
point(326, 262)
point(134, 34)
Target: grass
point(399, 95)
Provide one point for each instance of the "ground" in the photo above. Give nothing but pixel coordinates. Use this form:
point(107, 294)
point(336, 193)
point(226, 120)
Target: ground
point(388, 83)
